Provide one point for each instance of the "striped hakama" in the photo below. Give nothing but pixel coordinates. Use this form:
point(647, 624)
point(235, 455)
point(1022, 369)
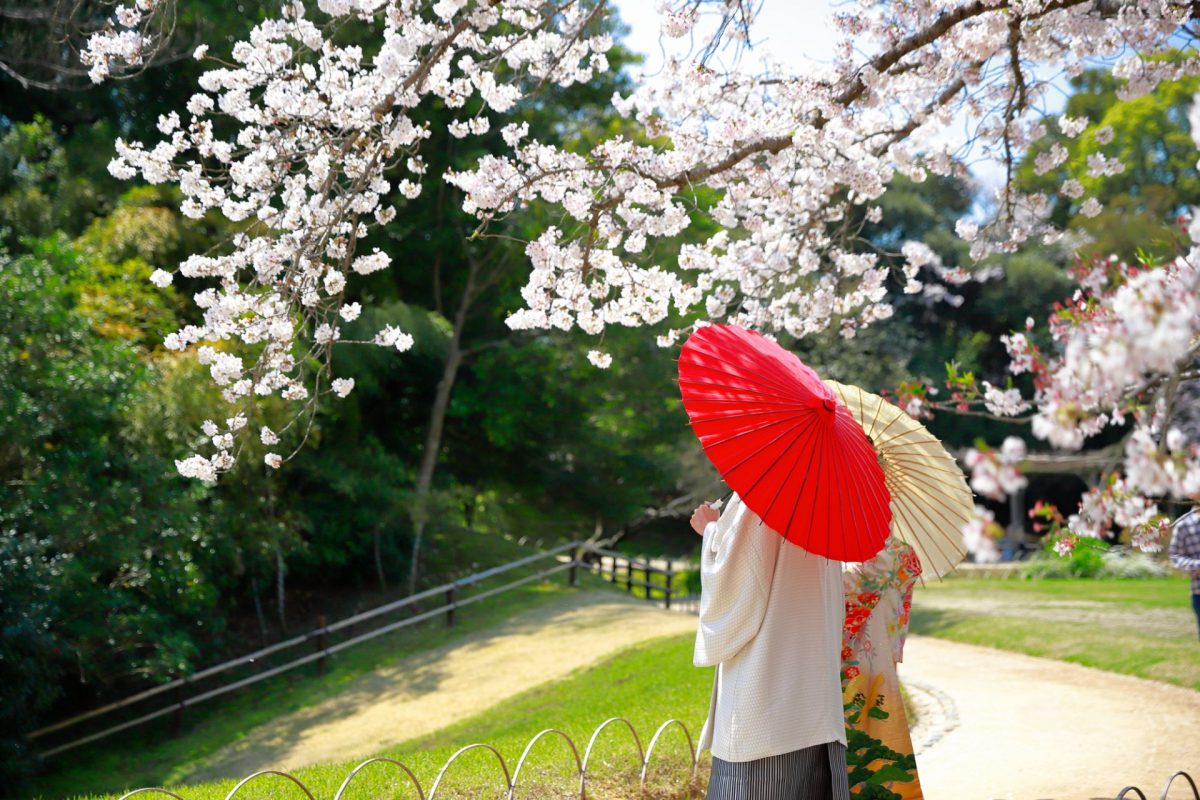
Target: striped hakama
point(814, 773)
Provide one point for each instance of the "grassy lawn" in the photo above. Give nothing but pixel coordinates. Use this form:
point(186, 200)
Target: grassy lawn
point(149, 755)
point(646, 684)
point(1141, 627)
point(1137, 627)
point(1172, 592)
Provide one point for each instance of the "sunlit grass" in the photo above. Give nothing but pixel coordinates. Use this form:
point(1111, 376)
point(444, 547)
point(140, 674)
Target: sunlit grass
point(150, 755)
point(1172, 592)
point(1141, 627)
point(647, 684)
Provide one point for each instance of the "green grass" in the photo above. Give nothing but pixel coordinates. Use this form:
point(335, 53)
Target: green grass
point(647, 684)
point(1170, 592)
point(1135, 627)
point(149, 755)
point(1140, 627)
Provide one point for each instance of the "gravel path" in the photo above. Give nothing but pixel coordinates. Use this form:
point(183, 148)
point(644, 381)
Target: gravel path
point(423, 693)
point(1004, 726)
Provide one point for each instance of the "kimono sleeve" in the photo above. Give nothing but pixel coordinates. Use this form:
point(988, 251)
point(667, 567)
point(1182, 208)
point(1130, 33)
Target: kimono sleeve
point(737, 566)
point(901, 634)
point(862, 595)
point(906, 580)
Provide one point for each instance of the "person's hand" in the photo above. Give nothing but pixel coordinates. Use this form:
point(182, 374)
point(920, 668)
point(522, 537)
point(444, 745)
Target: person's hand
point(704, 514)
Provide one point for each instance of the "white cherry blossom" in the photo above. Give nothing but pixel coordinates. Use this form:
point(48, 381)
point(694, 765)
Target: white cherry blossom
point(297, 137)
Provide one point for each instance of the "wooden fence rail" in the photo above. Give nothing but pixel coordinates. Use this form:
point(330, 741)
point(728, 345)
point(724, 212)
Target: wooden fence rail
point(317, 645)
point(609, 564)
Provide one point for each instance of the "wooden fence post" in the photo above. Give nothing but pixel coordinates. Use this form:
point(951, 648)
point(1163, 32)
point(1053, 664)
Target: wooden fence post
point(670, 579)
point(175, 696)
point(322, 664)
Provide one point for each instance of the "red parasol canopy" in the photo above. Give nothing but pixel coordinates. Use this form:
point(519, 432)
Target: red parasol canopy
point(783, 442)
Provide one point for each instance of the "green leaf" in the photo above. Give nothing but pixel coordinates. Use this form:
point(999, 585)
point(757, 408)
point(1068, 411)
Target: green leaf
point(889, 773)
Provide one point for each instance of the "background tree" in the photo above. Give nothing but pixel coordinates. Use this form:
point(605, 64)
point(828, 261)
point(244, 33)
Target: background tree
point(712, 190)
point(129, 573)
point(1148, 140)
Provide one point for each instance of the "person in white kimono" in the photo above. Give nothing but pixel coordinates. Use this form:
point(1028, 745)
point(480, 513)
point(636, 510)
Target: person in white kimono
point(771, 622)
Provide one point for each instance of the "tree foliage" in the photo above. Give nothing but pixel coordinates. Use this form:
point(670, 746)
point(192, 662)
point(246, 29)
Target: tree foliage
point(1150, 137)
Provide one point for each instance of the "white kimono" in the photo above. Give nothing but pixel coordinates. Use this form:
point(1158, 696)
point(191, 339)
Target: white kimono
point(771, 620)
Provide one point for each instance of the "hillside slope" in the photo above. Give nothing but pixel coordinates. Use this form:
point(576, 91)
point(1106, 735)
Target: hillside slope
point(417, 695)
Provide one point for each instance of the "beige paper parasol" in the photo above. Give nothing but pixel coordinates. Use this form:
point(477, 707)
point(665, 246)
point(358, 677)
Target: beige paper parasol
point(930, 498)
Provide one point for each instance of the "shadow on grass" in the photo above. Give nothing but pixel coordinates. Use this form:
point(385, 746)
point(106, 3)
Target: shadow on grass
point(934, 621)
point(156, 754)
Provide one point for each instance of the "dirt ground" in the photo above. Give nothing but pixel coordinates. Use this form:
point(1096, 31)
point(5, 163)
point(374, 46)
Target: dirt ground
point(1014, 727)
point(426, 692)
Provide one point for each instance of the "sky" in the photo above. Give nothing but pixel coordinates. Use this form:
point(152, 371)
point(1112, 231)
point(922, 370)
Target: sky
point(793, 32)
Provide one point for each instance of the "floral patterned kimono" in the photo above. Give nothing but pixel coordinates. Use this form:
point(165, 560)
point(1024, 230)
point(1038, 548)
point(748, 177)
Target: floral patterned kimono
point(879, 750)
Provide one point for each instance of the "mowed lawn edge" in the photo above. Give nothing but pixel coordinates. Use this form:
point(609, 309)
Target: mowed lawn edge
point(647, 684)
point(151, 756)
point(1092, 622)
point(654, 681)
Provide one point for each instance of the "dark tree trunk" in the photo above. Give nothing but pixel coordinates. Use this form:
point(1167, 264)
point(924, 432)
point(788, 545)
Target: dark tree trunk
point(280, 589)
point(377, 538)
point(437, 422)
point(258, 612)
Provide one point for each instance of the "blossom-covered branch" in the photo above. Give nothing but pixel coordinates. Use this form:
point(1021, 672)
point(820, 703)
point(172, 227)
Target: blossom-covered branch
point(292, 139)
point(58, 45)
point(294, 135)
point(1119, 350)
point(779, 161)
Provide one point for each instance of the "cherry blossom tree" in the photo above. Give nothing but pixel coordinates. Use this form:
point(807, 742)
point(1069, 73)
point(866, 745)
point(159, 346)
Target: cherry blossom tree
point(295, 139)
point(43, 41)
point(1122, 346)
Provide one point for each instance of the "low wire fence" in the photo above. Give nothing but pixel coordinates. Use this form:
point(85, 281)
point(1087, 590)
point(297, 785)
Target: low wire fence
point(580, 766)
point(1126, 792)
point(657, 580)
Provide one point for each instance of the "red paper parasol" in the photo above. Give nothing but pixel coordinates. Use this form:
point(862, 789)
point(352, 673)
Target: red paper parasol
point(781, 440)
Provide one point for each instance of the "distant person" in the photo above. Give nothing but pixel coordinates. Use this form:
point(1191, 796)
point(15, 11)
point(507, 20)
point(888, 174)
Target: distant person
point(878, 599)
point(1185, 554)
point(771, 622)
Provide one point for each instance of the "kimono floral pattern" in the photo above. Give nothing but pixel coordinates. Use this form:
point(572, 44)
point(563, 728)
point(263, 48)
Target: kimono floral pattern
point(878, 603)
point(906, 575)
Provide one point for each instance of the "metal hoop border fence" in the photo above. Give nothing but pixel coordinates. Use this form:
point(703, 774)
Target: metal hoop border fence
point(511, 777)
point(582, 554)
point(568, 558)
point(1166, 789)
